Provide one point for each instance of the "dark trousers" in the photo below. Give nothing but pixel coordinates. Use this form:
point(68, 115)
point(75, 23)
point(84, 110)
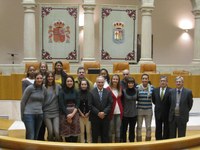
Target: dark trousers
point(162, 128)
point(131, 121)
point(100, 127)
point(42, 132)
point(177, 125)
point(71, 139)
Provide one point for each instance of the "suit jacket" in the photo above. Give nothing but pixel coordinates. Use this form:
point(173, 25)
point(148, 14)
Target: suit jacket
point(100, 106)
point(186, 102)
point(161, 106)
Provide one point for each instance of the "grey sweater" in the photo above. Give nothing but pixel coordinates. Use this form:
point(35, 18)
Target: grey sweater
point(33, 100)
point(130, 109)
point(51, 107)
point(25, 83)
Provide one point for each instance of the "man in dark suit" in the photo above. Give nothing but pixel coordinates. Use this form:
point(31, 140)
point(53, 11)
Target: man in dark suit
point(160, 99)
point(100, 108)
point(181, 101)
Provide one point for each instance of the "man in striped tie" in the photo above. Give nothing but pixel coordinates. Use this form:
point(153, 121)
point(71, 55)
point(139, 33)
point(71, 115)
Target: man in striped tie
point(160, 98)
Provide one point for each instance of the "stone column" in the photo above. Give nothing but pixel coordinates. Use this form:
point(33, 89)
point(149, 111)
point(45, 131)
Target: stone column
point(89, 38)
point(29, 30)
point(147, 7)
point(196, 12)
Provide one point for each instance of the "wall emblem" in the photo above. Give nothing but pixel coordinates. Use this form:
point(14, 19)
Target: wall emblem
point(118, 32)
point(59, 33)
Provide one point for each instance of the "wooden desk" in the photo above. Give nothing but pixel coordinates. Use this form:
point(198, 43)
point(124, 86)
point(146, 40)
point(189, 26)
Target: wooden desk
point(11, 86)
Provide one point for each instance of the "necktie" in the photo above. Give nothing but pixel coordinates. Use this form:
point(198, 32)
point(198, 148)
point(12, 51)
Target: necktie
point(162, 94)
point(100, 95)
point(179, 91)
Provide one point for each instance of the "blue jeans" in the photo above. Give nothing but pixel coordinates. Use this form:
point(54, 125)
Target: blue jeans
point(32, 123)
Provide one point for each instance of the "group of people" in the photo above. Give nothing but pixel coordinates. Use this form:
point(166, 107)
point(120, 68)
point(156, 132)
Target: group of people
point(109, 110)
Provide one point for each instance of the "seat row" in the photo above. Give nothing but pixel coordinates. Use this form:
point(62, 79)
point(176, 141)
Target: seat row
point(118, 67)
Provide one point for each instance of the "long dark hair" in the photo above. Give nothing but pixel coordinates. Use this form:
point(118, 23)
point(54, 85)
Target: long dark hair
point(57, 62)
point(88, 85)
point(46, 79)
point(108, 76)
point(64, 85)
point(34, 84)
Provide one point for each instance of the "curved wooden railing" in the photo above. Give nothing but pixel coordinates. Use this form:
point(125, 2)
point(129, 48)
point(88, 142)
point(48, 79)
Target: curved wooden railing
point(22, 144)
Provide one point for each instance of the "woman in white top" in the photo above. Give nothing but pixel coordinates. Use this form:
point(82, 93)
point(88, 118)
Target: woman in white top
point(117, 108)
point(30, 78)
point(105, 74)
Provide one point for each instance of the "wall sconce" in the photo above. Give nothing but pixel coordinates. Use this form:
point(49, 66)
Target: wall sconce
point(186, 30)
point(185, 25)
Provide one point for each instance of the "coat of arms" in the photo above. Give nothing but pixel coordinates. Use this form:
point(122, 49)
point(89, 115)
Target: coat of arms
point(59, 33)
point(118, 32)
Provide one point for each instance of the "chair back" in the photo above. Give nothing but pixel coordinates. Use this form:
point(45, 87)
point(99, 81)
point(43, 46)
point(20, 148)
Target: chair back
point(148, 68)
point(118, 67)
point(88, 65)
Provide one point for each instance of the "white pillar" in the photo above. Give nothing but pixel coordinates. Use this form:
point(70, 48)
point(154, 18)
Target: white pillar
point(29, 30)
point(89, 38)
point(196, 12)
point(146, 33)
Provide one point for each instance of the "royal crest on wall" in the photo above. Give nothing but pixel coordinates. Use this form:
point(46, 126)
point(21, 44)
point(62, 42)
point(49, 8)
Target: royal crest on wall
point(118, 33)
point(59, 35)
point(59, 32)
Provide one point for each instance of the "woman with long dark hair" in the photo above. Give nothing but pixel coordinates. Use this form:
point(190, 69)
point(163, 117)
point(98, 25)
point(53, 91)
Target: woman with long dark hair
point(43, 68)
point(51, 108)
point(60, 75)
point(84, 110)
point(69, 104)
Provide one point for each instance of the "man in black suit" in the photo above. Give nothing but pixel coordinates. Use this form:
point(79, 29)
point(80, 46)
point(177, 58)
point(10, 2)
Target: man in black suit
point(160, 99)
point(100, 108)
point(181, 101)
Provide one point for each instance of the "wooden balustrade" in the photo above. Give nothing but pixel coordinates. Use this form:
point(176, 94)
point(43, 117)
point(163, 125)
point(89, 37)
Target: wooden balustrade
point(171, 144)
point(11, 86)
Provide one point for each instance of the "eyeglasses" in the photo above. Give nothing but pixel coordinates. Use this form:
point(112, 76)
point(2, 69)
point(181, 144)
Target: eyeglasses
point(125, 74)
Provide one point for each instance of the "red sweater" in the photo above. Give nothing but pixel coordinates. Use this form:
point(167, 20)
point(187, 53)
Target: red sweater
point(115, 100)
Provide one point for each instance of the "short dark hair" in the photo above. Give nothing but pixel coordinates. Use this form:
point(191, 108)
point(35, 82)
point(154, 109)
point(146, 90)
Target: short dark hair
point(80, 68)
point(129, 80)
point(145, 74)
